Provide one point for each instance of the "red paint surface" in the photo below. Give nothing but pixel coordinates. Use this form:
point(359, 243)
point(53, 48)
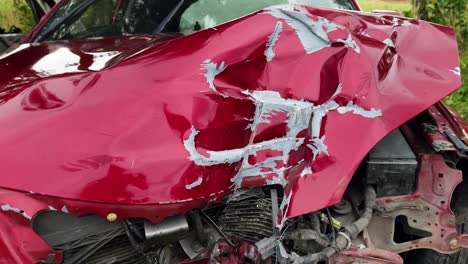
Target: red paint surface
point(113, 139)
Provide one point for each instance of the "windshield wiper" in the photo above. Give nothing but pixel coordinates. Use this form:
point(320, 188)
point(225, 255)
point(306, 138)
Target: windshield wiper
point(76, 11)
point(166, 20)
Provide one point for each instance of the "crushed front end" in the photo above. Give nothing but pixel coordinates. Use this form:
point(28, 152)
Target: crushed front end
point(318, 136)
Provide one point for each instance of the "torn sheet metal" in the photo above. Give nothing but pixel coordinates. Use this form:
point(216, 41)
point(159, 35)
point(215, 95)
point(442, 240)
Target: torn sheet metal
point(157, 116)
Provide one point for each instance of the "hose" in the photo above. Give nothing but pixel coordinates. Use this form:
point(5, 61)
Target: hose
point(344, 238)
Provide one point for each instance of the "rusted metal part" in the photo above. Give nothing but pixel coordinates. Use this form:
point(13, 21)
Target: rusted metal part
point(427, 210)
point(366, 256)
point(437, 139)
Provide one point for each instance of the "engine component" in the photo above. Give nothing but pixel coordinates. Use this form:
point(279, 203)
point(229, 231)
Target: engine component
point(248, 217)
point(344, 238)
point(87, 239)
point(171, 229)
point(392, 166)
point(342, 208)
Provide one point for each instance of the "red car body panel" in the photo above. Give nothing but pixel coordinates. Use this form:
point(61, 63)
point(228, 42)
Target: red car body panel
point(149, 127)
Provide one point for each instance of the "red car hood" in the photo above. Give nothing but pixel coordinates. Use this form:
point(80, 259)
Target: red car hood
point(292, 96)
point(30, 62)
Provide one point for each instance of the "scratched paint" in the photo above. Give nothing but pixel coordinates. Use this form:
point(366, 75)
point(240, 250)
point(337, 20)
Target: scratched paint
point(274, 37)
point(194, 184)
point(301, 115)
point(211, 70)
point(7, 207)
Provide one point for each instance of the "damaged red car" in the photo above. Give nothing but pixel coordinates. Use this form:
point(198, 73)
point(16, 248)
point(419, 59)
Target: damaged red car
point(231, 131)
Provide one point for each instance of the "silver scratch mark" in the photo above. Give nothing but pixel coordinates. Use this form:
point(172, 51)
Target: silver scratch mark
point(274, 37)
point(355, 109)
point(456, 71)
point(211, 70)
point(7, 207)
point(197, 183)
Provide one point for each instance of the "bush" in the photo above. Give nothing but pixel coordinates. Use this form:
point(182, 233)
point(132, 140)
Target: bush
point(453, 13)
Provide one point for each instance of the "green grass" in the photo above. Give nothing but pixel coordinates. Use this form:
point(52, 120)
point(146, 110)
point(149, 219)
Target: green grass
point(11, 15)
point(395, 5)
point(459, 99)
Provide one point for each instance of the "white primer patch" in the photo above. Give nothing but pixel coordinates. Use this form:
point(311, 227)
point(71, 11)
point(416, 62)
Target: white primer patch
point(194, 184)
point(312, 34)
point(64, 209)
point(456, 71)
point(306, 171)
point(212, 69)
point(274, 37)
point(389, 42)
point(355, 109)
point(7, 207)
point(300, 115)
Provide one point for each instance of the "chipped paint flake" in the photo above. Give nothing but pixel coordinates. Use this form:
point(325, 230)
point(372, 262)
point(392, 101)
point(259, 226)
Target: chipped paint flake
point(456, 71)
point(64, 209)
point(306, 171)
point(389, 42)
point(274, 37)
point(211, 70)
point(7, 207)
point(194, 184)
point(406, 23)
point(351, 107)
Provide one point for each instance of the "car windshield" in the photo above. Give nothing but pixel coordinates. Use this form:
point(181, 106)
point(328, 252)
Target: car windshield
point(81, 19)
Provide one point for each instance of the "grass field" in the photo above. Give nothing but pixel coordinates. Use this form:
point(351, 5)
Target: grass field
point(396, 5)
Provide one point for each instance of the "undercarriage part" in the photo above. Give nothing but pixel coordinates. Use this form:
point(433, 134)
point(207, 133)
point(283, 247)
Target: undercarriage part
point(366, 256)
point(428, 210)
point(248, 218)
point(172, 229)
point(344, 238)
point(392, 166)
point(307, 234)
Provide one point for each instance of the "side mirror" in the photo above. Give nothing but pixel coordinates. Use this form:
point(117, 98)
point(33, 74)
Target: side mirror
point(388, 12)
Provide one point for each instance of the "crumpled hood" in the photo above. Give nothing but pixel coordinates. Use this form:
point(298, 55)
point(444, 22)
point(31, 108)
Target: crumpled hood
point(294, 96)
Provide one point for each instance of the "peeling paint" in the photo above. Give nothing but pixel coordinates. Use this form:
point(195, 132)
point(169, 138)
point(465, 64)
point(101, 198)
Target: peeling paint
point(406, 23)
point(351, 107)
point(389, 42)
point(456, 71)
point(312, 34)
point(212, 69)
point(194, 184)
point(306, 171)
point(301, 116)
point(7, 207)
point(274, 37)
